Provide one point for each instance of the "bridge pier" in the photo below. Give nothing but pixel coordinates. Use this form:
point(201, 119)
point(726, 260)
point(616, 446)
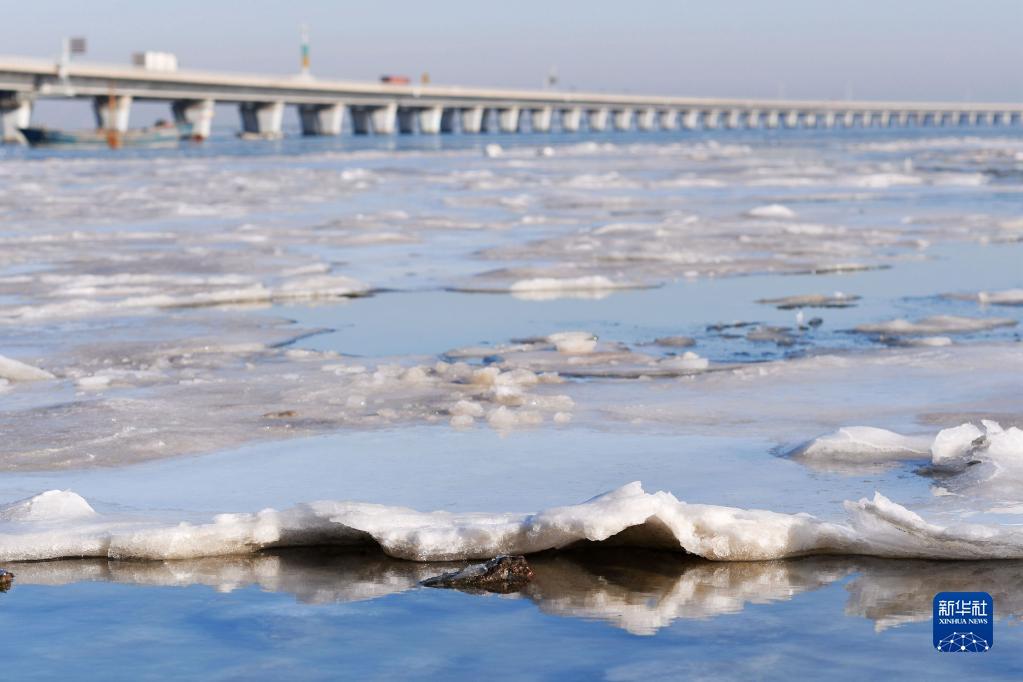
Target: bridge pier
point(622, 119)
point(473, 120)
point(772, 119)
point(691, 119)
point(262, 119)
point(734, 119)
point(596, 119)
point(321, 119)
point(15, 113)
point(646, 118)
point(667, 119)
point(712, 119)
point(791, 119)
point(867, 119)
point(571, 120)
point(429, 120)
point(112, 112)
point(197, 113)
point(447, 120)
point(406, 120)
point(753, 119)
point(540, 119)
point(810, 119)
point(384, 118)
point(508, 119)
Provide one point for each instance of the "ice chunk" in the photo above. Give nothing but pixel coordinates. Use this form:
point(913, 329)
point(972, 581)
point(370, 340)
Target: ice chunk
point(548, 288)
point(573, 342)
point(859, 444)
point(49, 506)
point(1006, 297)
point(771, 211)
point(938, 324)
point(627, 516)
point(15, 370)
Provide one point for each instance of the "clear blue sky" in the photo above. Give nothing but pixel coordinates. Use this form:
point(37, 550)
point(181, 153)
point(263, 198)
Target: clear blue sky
point(890, 49)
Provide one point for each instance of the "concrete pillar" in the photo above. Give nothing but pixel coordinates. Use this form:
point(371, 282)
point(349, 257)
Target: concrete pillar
point(384, 118)
point(1005, 118)
point(792, 119)
point(447, 120)
point(596, 119)
point(884, 119)
point(262, 119)
point(571, 120)
point(971, 118)
point(849, 119)
point(321, 119)
point(772, 119)
point(712, 119)
point(667, 119)
point(867, 119)
point(646, 118)
point(429, 120)
point(15, 113)
point(508, 119)
point(197, 113)
point(623, 119)
point(810, 119)
point(361, 125)
point(473, 120)
point(406, 120)
point(903, 119)
point(753, 118)
point(989, 118)
point(828, 119)
point(540, 119)
point(691, 119)
point(734, 119)
point(112, 112)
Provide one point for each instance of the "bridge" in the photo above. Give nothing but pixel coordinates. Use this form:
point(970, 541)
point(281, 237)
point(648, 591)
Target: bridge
point(387, 108)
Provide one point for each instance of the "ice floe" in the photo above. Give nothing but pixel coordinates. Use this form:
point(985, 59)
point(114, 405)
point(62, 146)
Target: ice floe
point(15, 370)
point(61, 524)
point(937, 324)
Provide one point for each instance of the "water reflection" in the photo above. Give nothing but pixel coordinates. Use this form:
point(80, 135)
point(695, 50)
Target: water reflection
point(638, 591)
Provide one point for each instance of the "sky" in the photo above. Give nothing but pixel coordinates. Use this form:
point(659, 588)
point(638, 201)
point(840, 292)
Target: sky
point(951, 50)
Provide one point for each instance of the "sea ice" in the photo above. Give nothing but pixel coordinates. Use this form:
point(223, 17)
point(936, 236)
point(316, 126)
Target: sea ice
point(938, 324)
point(15, 370)
point(61, 524)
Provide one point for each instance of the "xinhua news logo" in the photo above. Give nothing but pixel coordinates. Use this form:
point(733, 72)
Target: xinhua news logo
point(964, 622)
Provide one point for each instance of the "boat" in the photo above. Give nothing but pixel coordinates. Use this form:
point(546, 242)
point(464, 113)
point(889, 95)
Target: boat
point(160, 134)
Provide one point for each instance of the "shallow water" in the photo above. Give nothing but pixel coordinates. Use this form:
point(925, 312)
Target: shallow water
point(238, 327)
point(611, 616)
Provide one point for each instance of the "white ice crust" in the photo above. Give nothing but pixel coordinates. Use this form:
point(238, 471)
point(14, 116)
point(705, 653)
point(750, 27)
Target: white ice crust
point(61, 524)
point(15, 370)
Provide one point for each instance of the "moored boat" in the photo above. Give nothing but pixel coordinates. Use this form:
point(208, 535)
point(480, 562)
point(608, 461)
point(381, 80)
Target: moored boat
point(160, 134)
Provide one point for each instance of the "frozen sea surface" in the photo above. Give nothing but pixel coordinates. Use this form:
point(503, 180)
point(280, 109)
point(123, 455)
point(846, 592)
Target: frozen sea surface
point(200, 344)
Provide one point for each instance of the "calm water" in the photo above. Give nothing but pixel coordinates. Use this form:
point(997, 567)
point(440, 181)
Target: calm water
point(319, 616)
